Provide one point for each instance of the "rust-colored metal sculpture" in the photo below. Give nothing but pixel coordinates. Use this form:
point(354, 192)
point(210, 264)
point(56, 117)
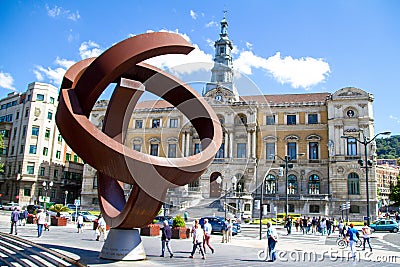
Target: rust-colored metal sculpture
point(116, 164)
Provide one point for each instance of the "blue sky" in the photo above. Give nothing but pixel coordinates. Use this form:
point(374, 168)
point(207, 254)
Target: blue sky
point(283, 46)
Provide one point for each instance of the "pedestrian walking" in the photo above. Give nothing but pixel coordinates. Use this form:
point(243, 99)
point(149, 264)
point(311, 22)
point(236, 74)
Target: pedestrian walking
point(198, 236)
point(14, 220)
point(352, 234)
point(207, 236)
point(272, 238)
point(101, 228)
point(304, 225)
point(297, 224)
point(366, 235)
point(225, 232)
point(322, 226)
point(185, 216)
point(289, 225)
point(229, 230)
point(79, 223)
point(328, 226)
point(341, 228)
point(41, 221)
point(166, 234)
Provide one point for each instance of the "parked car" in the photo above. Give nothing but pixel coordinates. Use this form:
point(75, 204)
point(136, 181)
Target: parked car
point(385, 225)
point(160, 220)
point(32, 208)
point(87, 216)
point(217, 224)
point(73, 207)
point(1, 206)
point(10, 206)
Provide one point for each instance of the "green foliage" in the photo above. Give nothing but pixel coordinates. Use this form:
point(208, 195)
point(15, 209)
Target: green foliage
point(388, 148)
point(178, 221)
point(58, 208)
point(395, 191)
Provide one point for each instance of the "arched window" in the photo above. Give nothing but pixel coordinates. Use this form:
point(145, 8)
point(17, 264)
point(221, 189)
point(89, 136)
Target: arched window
point(353, 184)
point(270, 184)
point(292, 184)
point(313, 185)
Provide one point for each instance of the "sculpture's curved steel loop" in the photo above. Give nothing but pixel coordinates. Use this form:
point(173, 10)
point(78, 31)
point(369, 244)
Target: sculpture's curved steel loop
point(117, 164)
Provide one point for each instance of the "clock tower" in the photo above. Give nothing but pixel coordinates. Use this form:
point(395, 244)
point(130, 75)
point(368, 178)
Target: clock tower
point(221, 86)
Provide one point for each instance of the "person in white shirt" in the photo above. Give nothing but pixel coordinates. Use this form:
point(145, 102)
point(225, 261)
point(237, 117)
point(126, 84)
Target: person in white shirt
point(80, 223)
point(367, 236)
point(198, 236)
point(207, 235)
point(101, 228)
point(41, 220)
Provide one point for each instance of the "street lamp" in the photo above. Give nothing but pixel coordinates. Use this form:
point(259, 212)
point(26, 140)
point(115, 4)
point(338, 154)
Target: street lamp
point(66, 196)
point(287, 165)
point(365, 142)
point(219, 181)
point(46, 186)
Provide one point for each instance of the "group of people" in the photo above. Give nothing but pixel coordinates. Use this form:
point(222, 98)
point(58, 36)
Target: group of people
point(20, 216)
point(201, 238)
point(314, 225)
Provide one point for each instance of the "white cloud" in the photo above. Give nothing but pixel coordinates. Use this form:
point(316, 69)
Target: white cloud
point(394, 118)
point(89, 49)
point(6, 81)
point(302, 72)
point(249, 45)
point(211, 24)
point(193, 14)
point(53, 75)
point(57, 11)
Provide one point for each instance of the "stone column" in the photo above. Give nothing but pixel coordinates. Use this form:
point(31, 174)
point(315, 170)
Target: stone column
point(183, 144)
point(226, 145)
point(187, 144)
point(230, 144)
point(253, 147)
point(248, 147)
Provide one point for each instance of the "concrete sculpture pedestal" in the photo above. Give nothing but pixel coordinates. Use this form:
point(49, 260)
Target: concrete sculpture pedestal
point(123, 244)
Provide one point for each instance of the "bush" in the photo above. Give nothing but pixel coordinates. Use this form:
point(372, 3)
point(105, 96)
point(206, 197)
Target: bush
point(178, 221)
point(58, 208)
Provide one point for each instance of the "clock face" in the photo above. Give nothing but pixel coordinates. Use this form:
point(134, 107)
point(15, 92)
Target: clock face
point(218, 97)
point(350, 113)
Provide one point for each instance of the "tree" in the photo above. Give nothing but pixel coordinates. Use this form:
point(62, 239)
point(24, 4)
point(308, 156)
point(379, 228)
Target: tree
point(395, 191)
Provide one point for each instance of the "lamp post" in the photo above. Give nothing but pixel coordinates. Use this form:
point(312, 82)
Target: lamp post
point(46, 186)
point(365, 142)
point(66, 196)
point(220, 182)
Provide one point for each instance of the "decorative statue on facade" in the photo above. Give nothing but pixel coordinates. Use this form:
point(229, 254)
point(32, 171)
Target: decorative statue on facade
point(104, 150)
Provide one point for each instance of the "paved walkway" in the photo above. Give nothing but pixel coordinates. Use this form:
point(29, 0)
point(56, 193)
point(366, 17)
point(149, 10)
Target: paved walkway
point(243, 251)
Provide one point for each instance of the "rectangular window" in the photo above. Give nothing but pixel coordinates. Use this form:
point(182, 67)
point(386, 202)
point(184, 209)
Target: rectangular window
point(314, 209)
point(15, 133)
point(41, 171)
point(270, 151)
point(291, 119)
point(171, 150)
point(47, 134)
point(29, 97)
point(49, 115)
point(138, 124)
point(137, 147)
point(26, 112)
point(95, 183)
point(32, 149)
point(53, 193)
point(30, 168)
point(154, 149)
point(155, 123)
point(220, 153)
point(45, 151)
point(291, 207)
point(68, 157)
point(292, 150)
point(173, 123)
point(21, 149)
point(27, 192)
point(51, 100)
point(354, 209)
point(95, 201)
point(76, 158)
point(17, 115)
point(197, 148)
point(59, 138)
point(12, 150)
point(312, 118)
point(351, 147)
point(58, 154)
point(241, 150)
point(270, 120)
point(55, 173)
point(35, 131)
point(24, 131)
point(39, 97)
point(40, 192)
point(313, 150)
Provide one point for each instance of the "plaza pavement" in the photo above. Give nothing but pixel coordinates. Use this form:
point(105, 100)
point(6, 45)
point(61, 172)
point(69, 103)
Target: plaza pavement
point(242, 251)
